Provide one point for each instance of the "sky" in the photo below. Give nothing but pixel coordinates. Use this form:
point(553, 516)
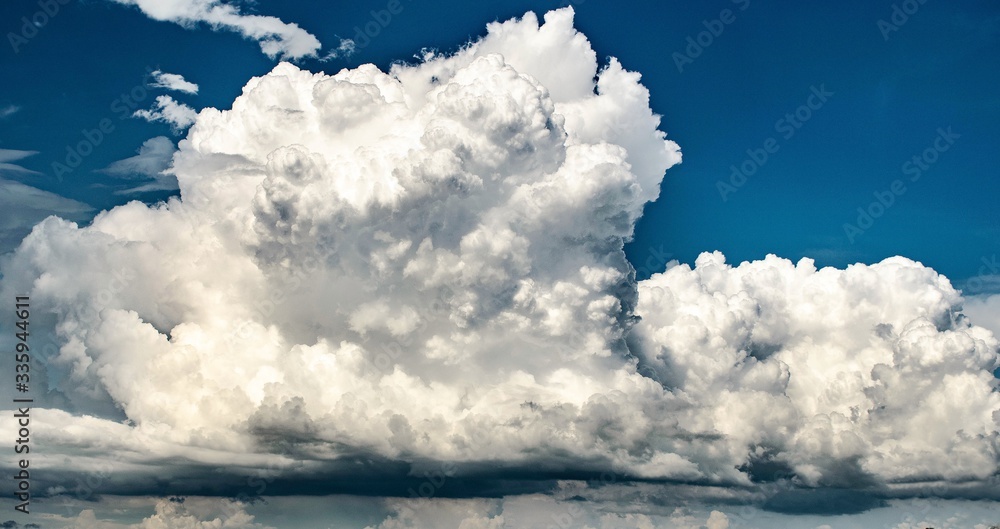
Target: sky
point(522, 264)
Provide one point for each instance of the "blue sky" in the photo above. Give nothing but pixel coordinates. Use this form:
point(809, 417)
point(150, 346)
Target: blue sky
point(889, 99)
point(331, 331)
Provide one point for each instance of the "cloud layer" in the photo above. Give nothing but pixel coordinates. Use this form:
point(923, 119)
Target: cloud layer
point(426, 265)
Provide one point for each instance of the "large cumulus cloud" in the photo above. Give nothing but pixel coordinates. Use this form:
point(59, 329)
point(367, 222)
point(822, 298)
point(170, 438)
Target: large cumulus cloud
point(426, 265)
point(844, 376)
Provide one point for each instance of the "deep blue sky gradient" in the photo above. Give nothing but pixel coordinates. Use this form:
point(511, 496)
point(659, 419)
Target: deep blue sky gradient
point(890, 97)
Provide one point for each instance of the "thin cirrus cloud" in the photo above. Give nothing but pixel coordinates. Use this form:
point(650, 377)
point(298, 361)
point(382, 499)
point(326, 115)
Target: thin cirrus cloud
point(8, 110)
point(277, 39)
point(172, 81)
point(371, 273)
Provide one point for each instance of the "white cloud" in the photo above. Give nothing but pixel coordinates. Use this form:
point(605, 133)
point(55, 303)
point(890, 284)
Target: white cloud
point(984, 311)
point(167, 110)
point(485, 211)
point(172, 81)
point(176, 513)
point(276, 38)
point(346, 48)
point(150, 163)
point(464, 514)
point(717, 520)
point(843, 375)
point(427, 264)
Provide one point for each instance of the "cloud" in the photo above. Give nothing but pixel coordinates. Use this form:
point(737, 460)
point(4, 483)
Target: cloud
point(150, 163)
point(170, 513)
point(167, 110)
point(276, 38)
point(12, 155)
point(845, 377)
point(984, 311)
point(538, 511)
point(370, 273)
point(23, 206)
point(8, 110)
point(172, 81)
point(346, 48)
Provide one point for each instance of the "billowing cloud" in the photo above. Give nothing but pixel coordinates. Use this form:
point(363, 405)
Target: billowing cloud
point(167, 110)
point(427, 265)
point(276, 38)
point(843, 377)
point(150, 163)
point(173, 81)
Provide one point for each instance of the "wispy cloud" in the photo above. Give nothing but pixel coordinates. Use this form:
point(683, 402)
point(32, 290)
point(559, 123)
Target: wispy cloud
point(172, 81)
point(346, 48)
point(8, 110)
point(150, 163)
point(12, 155)
point(276, 37)
point(168, 110)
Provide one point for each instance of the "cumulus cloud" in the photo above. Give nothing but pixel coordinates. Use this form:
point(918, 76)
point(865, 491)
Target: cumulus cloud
point(427, 265)
point(150, 163)
point(172, 81)
point(276, 38)
point(845, 377)
point(538, 511)
point(169, 513)
point(167, 110)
